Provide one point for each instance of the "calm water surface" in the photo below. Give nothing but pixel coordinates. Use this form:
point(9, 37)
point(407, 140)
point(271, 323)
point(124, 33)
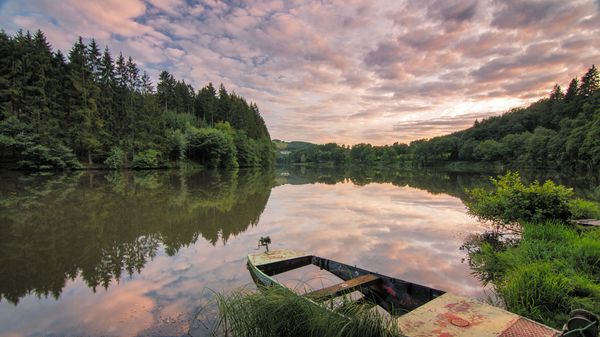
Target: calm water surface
point(140, 253)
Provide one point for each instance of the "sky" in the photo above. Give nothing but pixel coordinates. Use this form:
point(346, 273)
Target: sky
point(343, 71)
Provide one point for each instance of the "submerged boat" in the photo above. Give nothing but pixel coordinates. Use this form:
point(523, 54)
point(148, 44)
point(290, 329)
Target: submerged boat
point(419, 311)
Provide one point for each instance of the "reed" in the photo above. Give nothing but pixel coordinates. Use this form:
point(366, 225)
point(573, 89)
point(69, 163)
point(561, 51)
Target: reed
point(277, 311)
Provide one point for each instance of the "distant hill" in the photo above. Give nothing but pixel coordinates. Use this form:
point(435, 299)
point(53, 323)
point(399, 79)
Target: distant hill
point(560, 131)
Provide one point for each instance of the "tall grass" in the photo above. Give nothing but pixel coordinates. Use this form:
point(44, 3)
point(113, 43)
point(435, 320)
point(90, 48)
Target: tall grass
point(554, 268)
point(277, 311)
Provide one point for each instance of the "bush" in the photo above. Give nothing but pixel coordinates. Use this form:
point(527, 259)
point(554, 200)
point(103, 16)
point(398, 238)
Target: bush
point(212, 147)
point(511, 201)
point(178, 144)
point(146, 160)
point(181, 121)
point(584, 209)
point(115, 159)
point(554, 268)
point(19, 142)
point(247, 150)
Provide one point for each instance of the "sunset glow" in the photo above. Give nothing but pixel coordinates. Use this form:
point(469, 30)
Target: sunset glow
point(343, 71)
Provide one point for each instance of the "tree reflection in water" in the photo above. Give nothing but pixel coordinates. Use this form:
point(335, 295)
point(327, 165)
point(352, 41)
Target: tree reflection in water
point(99, 225)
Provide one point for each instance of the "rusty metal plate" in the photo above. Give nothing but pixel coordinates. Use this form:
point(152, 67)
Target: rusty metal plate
point(456, 316)
point(527, 328)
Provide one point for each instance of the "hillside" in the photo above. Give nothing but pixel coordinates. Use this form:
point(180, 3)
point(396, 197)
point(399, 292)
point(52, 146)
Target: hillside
point(561, 131)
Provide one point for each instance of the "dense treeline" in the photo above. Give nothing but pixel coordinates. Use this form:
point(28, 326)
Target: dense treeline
point(57, 110)
point(562, 130)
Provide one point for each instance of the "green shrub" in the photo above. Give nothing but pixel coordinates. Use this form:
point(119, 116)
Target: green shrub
point(584, 209)
point(19, 142)
point(212, 147)
point(181, 121)
point(177, 144)
point(247, 150)
point(115, 159)
point(146, 160)
point(40, 157)
point(511, 201)
point(553, 269)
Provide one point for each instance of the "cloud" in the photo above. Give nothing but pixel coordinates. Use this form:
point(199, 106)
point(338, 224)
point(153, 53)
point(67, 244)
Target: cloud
point(340, 70)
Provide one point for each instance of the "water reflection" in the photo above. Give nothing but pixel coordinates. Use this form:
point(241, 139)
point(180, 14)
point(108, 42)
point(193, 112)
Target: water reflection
point(133, 253)
point(100, 225)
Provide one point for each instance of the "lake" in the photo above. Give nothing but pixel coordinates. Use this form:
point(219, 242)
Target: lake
point(142, 253)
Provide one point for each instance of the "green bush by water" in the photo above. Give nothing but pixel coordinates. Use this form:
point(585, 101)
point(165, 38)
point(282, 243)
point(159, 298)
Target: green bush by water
point(277, 311)
point(115, 159)
point(146, 160)
point(511, 201)
point(554, 268)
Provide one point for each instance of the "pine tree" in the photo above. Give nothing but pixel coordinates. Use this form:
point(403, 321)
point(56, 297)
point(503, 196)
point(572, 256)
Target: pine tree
point(572, 90)
point(6, 63)
point(223, 105)
point(557, 93)
point(37, 100)
point(106, 101)
point(94, 60)
point(86, 125)
point(205, 105)
point(146, 84)
point(165, 89)
point(590, 82)
point(58, 96)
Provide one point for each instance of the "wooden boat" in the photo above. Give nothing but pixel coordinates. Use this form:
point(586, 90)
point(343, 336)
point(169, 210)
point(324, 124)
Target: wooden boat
point(420, 311)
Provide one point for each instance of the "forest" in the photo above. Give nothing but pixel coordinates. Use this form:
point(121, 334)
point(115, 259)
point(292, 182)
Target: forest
point(88, 109)
point(562, 130)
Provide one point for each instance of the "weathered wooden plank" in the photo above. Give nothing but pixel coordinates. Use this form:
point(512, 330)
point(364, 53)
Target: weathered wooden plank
point(588, 222)
point(346, 286)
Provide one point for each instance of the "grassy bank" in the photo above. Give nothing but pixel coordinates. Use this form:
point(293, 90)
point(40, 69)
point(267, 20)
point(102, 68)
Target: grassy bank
point(540, 264)
point(277, 311)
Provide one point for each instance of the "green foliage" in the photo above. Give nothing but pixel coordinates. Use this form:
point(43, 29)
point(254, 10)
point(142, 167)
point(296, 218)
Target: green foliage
point(177, 144)
point(212, 147)
point(91, 102)
point(20, 143)
point(181, 121)
point(277, 311)
point(560, 131)
point(530, 290)
point(584, 209)
point(512, 201)
point(42, 213)
point(115, 159)
point(248, 152)
point(148, 159)
point(551, 270)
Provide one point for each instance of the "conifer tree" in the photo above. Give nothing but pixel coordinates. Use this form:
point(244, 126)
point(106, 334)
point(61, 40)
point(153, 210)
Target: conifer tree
point(85, 124)
point(590, 82)
point(557, 93)
point(572, 90)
